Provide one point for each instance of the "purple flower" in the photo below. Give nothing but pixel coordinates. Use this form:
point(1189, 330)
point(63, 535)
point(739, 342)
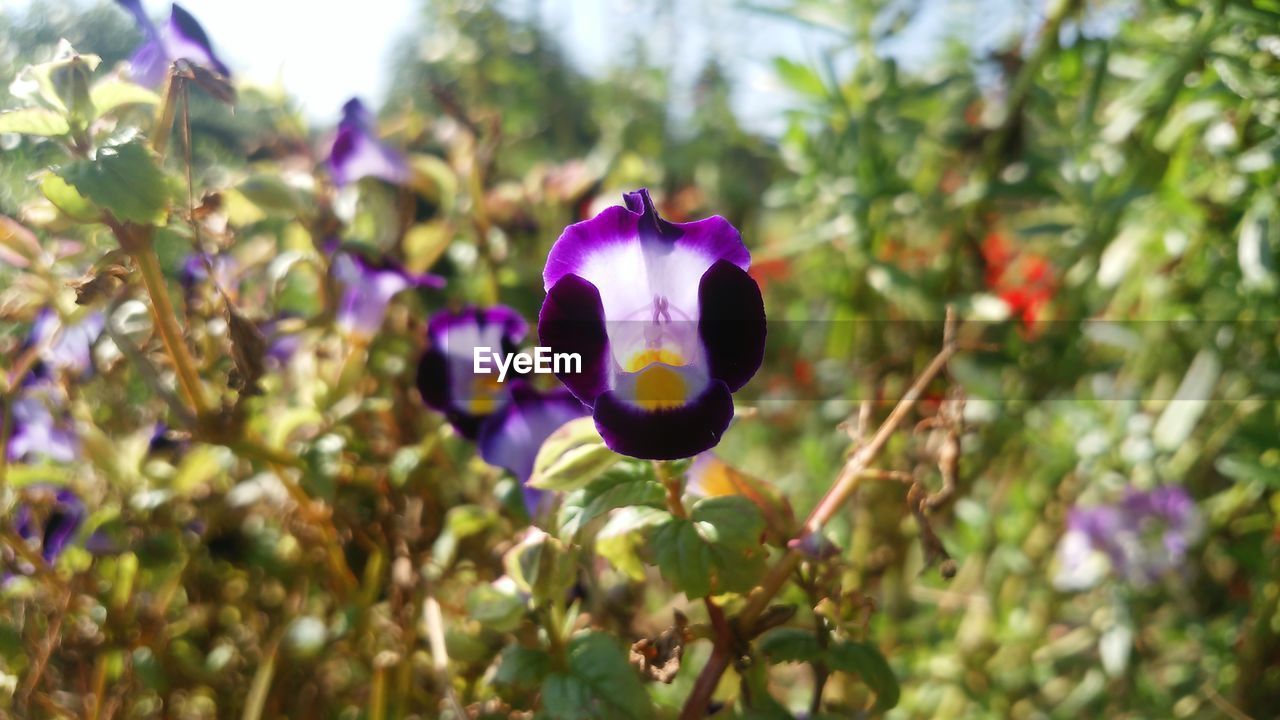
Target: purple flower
point(511, 437)
point(63, 348)
point(1140, 538)
point(181, 38)
point(36, 431)
point(666, 320)
point(357, 152)
point(52, 524)
point(446, 376)
point(509, 420)
point(195, 270)
point(367, 289)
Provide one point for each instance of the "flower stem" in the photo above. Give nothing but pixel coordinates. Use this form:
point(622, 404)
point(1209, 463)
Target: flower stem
point(137, 242)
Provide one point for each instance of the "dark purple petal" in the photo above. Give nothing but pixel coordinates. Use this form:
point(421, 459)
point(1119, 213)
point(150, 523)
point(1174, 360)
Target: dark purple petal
point(54, 526)
point(572, 321)
point(651, 225)
point(511, 438)
point(731, 323)
point(665, 434)
point(63, 523)
point(186, 40)
point(182, 38)
point(446, 373)
point(357, 152)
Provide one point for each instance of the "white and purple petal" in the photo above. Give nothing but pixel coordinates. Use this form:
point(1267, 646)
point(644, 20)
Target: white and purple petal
point(367, 290)
point(446, 373)
point(357, 152)
point(665, 318)
point(511, 438)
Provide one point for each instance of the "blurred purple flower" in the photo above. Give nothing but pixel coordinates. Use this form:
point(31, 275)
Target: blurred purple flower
point(63, 348)
point(666, 320)
point(36, 431)
point(51, 525)
point(1143, 536)
point(509, 421)
point(357, 152)
point(181, 38)
point(195, 270)
point(367, 289)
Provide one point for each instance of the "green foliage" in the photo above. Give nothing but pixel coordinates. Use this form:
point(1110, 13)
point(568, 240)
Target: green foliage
point(716, 550)
point(597, 683)
point(124, 180)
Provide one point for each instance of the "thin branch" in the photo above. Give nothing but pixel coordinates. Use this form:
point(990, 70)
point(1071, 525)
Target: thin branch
point(846, 483)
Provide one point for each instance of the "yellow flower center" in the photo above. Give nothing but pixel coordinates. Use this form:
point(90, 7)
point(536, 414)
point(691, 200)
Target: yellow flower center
point(653, 355)
point(660, 388)
point(485, 392)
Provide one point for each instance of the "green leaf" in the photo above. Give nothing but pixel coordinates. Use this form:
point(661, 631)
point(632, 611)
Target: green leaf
point(125, 180)
point(717, 550)
point(629, 484)
point(34, 121)
point(866, 661)
point(522, 667)
point(620, 538)
point(67, 200)
point(271, 193)
point(785, 645)
point(800, 78)
point(571, 457)
point(541, 565)
point(109, 95)
point(599, 683)
point(496, 607)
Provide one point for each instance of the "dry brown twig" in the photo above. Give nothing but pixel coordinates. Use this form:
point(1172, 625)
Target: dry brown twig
point(855, 470)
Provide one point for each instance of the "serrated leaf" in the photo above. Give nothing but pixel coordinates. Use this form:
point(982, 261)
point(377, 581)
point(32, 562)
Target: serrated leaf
point(786, 645)
point(109, 95)
point(34, 121)
point(632, 484)
point(716, 550)
point(124, 179)
point(866, 661)
point(599, 684)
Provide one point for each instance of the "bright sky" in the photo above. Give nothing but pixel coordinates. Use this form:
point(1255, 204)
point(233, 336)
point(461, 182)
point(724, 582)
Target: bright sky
point(326, 52)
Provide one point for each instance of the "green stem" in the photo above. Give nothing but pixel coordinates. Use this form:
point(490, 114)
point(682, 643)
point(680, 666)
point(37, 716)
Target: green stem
point(137, 241)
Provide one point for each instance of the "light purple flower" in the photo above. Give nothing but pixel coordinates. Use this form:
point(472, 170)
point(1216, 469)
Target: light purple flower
point(509, 420)
point(357, 152)
point(181, 38)
point(55, 525)
point(367, 290)
point(195, 270)
point(40, 429)
point(666, 320)
point(1143, 536)
point(63, 348)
